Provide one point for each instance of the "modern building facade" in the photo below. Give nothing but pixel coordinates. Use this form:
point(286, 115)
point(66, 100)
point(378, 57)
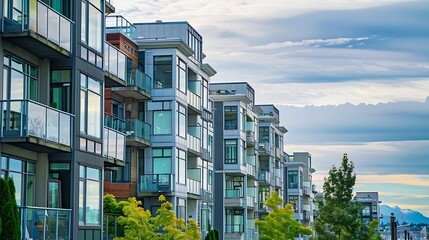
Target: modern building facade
point(300, 190)
point(53, 140)
point(370, 204)
point(244, 175)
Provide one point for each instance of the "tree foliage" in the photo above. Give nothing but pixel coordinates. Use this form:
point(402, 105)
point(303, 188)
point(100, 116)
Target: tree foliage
point(339, 217)
point(373, 233)
point(213, 234)
point(280, 224)
point(139, 224)
point(9, 213)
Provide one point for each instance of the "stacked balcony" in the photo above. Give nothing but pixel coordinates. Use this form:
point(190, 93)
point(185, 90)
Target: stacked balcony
point(250, 134)
point(35, 126)
point(194, 140)
point(193, 181)
point(264, 177)
point(194, 98)
point(251, 197)
point(38, 28)
point(234, 198)
point(264, 149)
point(114, 140)
point(138, 133)
point(156, 183)
point(115, 66)
point(251, 166)
point(138, 85)
point(45, 223)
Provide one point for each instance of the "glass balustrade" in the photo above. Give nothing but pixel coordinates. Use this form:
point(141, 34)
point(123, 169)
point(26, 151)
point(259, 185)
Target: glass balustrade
point(138, 129)
point(156, 182)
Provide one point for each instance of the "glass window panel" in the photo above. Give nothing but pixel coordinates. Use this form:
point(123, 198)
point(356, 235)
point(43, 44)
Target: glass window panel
point(42, 20)
point(15, 165)
point(105, 142)
point(82, 172)
point(231, 118)
point(83, 111)
point(32, 89)
point(36, 120)
point(113, 60)
point(30, 191)
point(52, 125)
point(120, 147)
point(163, 72)
point(112, 144)
point(65, 134)
point(17, 179)
point(230, 151)
point(81, 206)
point(94, 115)
point(122, 65)
point(94, 86)
point(54, 26)
point(83, 23)
point(162, 165)
point(95, 27)
point(17, 85)
point(162, 122)
point(65, 36)
point(92, 173)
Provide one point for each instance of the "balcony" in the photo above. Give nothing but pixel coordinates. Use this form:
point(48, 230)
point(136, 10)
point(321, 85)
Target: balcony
point(234, 198)
point(279, 153)
point(114, 146)
point(38, 28)
point(115, 65)
point(250, 139)
point(194, 140)
point(138, 133)
point(264, 148)
point(114, 122)
point(118, 24)
point(193, 186)
point(36, 126)
point(194, 102)
point(306, 215)
point(314, 188)
point(251, 199)
point(138, 85)
point(45, 223)
point(278, 182)
point(234, 228)
point(156, 183)
point(264, 177)
point(306, 191)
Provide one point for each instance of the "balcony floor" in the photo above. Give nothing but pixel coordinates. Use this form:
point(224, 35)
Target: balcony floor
point(36, 144)
point(36, 44)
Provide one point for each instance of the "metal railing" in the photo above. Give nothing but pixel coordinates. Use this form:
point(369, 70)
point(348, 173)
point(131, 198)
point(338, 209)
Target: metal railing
point(137, 78)
point(45, 223)
point(156, 182)
point(118, 24)
point(114, 122)
point(23, 118)
point(139, 129)
point(38, 17)
point(115, 61)
point(111, 228)
point(114, 144)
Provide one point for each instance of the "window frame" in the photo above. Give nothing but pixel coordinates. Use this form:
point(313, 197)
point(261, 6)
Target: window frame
point(231, 159)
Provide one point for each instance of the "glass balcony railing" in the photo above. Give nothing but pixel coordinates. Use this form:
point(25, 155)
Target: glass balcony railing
point(194, 100)
point(193, 186)
point(138, 129)
point(233, 193)
point(114, 123)
point(195, 86)
point(195, 131)
point(38, 17)
point(115, 61)
point(23, 118)
point(264, 176)
point(194, 143)
point(156, 182)
point(234, 228)
point(45, 223)
point(118, 24)
point(250, 126)
point(139, 79)
point(114, 144)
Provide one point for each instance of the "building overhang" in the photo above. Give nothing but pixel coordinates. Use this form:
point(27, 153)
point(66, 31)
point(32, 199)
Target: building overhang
point(208, 69)
point(165, 43)
point(230, 98)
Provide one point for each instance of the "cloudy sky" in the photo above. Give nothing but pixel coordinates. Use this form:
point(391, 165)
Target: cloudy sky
point(347, 76)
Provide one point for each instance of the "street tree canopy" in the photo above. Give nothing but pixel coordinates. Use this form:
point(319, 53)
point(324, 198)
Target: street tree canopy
point(280, 224)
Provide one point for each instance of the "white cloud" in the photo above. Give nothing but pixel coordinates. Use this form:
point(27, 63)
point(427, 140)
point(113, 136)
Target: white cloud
point(311, 42)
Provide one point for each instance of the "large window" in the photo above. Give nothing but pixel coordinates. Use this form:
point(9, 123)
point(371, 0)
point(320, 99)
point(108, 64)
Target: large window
point(231, 121)
point(181, 75)
point(89, 196)
point(162, 71)
point(292, 179)
point(293, 200)
point(264, 134)
point(162, 162)
point(123, 174)
point(19, 79)
point(231, 151)
point(181, 121)
point(162, 118)
point(234, 220)
point(90, 106)
point(181, 208)
point(60, 90)
point(181, 165)
point(92, 24)
point(23, 175)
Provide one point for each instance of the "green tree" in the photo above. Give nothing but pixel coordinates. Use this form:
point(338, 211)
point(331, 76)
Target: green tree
point(338, 216)
point(213, 234)
point(373, 233)
point(280, 224)
point(9, 211)
point(139, 224)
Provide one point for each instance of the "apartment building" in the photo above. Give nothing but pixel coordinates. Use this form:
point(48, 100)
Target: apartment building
point(299, 188)
point(370, 204)
point(242, 178)
point(53, 141)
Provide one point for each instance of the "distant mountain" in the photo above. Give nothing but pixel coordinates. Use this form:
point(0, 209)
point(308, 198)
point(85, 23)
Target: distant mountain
point(402, 215)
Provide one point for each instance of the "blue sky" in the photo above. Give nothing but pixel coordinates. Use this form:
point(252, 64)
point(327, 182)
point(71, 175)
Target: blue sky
point(347, 76)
